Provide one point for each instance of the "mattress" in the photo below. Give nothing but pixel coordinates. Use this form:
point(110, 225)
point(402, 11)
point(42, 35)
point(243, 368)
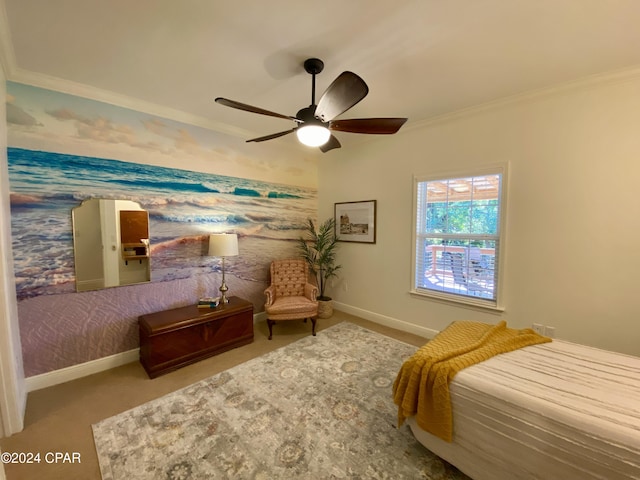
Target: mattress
point(553, 411)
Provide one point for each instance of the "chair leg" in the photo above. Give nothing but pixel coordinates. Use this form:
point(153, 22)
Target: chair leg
point(270, 324)
point(313, 328)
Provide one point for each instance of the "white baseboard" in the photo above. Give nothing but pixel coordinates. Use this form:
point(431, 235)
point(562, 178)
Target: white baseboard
point(74, 372)
point(386, 321)
point(81, 370)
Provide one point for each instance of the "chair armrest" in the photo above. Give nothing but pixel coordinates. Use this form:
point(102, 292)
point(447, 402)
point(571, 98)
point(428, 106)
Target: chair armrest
point(270, 292)
point(311, 292)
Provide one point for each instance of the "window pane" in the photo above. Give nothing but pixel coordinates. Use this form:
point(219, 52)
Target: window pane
point(436, 220)
point(458, 266)
point(458, 236)
point(459, 217)
point(485, 217)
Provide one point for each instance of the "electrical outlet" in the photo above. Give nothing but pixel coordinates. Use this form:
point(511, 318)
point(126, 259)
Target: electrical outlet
point(538, 328)
point(550, 331)
point(345, 286)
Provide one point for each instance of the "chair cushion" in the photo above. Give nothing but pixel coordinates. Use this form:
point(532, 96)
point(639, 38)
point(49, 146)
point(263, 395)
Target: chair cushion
point(296, 307)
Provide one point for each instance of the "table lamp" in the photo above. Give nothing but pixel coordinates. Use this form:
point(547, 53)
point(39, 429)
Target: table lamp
point(223, 245)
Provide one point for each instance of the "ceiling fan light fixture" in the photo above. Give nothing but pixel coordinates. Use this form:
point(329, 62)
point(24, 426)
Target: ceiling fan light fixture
point(313, 123)
point(313, 135)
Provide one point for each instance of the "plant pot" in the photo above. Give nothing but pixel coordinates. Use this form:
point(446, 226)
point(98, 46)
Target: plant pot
point(325, 308)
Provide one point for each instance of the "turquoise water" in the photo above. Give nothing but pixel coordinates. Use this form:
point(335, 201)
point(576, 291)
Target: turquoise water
point(182, 204)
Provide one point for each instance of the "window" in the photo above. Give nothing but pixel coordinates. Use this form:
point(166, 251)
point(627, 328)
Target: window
point(458, 224)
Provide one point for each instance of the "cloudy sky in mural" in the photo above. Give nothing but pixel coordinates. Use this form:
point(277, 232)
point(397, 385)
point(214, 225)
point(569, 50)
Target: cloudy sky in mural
point(56, 122)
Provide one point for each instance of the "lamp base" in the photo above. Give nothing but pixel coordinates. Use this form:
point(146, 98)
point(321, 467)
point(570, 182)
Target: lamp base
point(223, 293)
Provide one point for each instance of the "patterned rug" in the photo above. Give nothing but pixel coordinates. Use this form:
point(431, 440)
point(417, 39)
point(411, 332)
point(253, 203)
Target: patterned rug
point(319, 408)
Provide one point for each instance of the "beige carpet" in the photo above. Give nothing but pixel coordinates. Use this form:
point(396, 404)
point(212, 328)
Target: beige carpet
point(59, 418)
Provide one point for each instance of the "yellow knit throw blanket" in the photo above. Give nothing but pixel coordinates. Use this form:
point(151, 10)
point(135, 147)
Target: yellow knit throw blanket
point(422, 385)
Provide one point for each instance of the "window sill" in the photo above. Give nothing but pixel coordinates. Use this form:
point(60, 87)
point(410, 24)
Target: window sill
point(458, 301)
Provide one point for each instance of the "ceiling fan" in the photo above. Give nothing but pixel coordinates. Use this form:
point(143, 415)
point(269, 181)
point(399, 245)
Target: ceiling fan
point(315, 122)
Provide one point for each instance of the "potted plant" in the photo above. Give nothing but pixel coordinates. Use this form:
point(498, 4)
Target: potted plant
point(319, 250)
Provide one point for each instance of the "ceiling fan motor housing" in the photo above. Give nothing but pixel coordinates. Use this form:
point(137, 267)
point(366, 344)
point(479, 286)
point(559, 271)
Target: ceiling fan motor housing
point(313, 65)
point(308, 115)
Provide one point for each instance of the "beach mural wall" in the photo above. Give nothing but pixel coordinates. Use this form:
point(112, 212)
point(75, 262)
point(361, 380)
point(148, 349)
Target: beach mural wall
point(64, 149)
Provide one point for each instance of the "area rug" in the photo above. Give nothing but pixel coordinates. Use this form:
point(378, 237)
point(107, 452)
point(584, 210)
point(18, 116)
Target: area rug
point(319, 408)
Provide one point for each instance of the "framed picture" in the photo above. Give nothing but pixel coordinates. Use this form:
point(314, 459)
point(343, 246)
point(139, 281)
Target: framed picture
point(356, 221)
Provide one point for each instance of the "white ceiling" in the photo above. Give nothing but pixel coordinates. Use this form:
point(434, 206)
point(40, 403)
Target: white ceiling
point(421, 59)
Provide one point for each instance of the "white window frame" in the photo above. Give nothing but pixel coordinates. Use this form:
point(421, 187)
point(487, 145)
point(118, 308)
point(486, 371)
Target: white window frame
point(464, 300)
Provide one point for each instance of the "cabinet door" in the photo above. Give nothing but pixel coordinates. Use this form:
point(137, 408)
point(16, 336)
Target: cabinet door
point(175, 347)
point(198, 341)
point(218, 334)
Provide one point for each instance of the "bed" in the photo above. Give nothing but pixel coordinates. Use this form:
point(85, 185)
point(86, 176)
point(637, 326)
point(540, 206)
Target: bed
point(555, 411)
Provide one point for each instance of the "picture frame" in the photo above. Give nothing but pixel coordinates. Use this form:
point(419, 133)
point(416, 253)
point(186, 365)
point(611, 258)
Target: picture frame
point(356, 221)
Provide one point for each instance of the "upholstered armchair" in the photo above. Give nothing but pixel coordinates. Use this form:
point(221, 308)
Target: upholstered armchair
point(290, 295)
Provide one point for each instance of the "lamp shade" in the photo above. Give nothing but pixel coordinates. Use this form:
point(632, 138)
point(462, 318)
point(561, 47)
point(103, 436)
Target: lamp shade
point(313, 135)
point(223, 245)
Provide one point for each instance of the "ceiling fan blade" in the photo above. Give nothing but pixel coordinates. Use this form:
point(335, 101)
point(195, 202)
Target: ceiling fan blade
point(248, 108)
point(272, 136)
point(377, 126)
point(345, 91)
point(330, 145)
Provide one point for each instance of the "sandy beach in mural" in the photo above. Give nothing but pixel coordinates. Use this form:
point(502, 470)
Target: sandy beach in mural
point(107, 319)
point(184, 208)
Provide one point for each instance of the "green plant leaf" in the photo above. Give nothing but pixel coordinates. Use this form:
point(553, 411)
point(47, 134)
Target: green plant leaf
point(319, 251)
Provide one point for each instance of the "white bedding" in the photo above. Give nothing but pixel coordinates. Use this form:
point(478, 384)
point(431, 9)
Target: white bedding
point(556, 411)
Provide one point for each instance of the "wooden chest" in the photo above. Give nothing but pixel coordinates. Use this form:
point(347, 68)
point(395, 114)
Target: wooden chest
point(174, 338)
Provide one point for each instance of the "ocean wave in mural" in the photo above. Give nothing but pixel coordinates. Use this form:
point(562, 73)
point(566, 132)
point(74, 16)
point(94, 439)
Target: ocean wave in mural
point(184, 207)
point(193, 181)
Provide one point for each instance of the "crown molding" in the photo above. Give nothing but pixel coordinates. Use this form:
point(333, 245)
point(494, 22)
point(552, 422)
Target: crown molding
point(13, 73)
point(16, 74)
point(616, 76)
point(49, 82)
point(19, 75)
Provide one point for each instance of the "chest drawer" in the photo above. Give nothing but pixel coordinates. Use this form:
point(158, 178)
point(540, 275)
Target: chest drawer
point(178, 337)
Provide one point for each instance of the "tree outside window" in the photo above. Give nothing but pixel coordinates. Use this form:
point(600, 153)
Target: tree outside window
point(458, 237)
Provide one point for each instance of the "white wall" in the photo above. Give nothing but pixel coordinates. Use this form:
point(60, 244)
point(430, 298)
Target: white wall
point(13, 395)
point(573, 212)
